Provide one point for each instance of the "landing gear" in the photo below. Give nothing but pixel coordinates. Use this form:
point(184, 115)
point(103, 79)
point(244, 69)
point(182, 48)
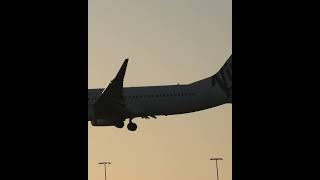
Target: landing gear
point(132, 126)
point(119, 124)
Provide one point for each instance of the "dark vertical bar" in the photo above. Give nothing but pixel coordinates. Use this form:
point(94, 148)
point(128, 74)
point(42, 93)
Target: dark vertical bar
point(217, 170)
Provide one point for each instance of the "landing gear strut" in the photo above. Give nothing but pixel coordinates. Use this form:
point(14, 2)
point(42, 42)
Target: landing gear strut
point(132, 126)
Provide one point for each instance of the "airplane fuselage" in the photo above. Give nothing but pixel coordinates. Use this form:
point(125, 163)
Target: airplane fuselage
point(111, 106)
point(166, 100)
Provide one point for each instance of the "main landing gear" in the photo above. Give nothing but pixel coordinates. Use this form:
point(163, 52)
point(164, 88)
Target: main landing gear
point(132, 126)
point(119, 124)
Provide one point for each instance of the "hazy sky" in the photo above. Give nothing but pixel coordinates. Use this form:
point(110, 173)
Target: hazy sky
point(168, 42)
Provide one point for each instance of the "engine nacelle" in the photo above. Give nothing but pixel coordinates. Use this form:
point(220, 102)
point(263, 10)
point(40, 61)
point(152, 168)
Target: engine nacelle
point(108, 119)
point(102, 122)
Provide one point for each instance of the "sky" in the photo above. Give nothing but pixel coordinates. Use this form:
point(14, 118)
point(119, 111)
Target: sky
point(167, 42)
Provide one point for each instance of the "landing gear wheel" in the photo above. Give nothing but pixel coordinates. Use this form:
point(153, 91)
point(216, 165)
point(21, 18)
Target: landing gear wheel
point(119, 124)
point(132, 126)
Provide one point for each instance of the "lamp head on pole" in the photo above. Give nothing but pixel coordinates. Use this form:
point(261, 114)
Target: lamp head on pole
point(104, 162)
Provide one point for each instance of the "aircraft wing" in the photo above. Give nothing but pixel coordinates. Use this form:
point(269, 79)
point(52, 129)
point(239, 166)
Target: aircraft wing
point(112, 96)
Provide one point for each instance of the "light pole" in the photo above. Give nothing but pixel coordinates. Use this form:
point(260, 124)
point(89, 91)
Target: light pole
point(217, 159)
point(105, 169)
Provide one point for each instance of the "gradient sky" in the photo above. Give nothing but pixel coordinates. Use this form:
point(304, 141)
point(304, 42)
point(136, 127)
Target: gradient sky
point(168, 42)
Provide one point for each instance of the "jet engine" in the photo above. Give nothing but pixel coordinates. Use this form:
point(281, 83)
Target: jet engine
point(102, 122)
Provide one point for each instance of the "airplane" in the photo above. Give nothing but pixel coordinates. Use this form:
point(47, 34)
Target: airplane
point(113, 105)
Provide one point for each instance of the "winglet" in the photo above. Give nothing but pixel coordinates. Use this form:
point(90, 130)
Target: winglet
point(115, 88)
point(122, 71)
point(116, 85)
point(113, 95)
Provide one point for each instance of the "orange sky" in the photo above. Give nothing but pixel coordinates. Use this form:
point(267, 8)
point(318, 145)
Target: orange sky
point(168, 42)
